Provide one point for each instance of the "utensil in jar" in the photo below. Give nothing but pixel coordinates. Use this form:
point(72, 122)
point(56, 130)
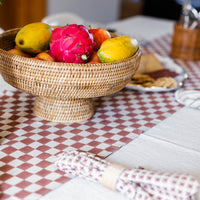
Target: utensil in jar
point(189, 16)
point(195, 18)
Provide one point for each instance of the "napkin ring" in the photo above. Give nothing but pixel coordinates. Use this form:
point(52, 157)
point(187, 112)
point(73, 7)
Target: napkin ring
point(111, 175)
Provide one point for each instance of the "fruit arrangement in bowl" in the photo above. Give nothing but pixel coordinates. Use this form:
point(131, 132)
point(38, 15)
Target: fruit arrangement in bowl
point(66, 67)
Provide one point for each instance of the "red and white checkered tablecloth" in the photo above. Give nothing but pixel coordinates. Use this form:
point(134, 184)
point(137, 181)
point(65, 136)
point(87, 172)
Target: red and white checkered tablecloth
point(29, 144)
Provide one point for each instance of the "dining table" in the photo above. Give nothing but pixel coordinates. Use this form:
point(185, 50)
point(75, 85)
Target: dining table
point(147, 129)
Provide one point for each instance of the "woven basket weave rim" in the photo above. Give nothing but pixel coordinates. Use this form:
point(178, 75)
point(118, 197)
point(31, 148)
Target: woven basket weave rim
point(56, 79)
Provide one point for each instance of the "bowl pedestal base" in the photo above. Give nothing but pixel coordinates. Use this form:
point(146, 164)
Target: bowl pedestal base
point(63, 111)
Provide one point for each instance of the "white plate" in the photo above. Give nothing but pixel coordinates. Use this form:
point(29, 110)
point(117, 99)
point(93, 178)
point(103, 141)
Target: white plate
point(169, 64)
point(1, 30)
point(62, 19)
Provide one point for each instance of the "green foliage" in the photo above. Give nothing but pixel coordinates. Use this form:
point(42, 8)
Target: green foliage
point(1, 1)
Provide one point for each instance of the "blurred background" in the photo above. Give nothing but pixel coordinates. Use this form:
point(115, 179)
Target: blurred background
point(17, 13)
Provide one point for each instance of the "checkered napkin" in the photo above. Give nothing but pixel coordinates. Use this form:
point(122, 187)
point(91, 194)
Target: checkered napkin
point(134, 183)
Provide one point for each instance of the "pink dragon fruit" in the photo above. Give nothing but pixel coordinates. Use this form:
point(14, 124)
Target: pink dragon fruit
point(72, 44)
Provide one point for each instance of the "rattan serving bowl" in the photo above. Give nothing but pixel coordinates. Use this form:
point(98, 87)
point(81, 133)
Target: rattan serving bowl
point(64, 91)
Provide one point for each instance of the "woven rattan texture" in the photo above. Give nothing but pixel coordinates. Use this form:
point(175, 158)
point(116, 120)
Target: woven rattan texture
point(186, 43)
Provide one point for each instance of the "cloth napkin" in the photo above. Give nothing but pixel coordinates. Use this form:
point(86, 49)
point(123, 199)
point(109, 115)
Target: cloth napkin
point(134, 183)
point(189, 98)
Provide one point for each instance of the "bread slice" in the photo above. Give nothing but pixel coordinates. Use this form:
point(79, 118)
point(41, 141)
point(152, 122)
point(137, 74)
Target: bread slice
point(149, 63)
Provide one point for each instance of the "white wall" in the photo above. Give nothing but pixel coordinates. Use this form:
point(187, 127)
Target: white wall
point(102, 11)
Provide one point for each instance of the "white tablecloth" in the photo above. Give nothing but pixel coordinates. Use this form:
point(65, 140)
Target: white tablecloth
point(173, 145)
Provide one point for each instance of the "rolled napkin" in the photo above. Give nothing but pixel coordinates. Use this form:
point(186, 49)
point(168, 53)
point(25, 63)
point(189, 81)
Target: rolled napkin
point(189, 98)
point(134, 183)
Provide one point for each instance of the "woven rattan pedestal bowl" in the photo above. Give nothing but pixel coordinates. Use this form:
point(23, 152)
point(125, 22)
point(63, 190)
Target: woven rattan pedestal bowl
point(63, 91)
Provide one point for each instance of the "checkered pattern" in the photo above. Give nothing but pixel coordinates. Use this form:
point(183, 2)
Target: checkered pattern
point(29, 144)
